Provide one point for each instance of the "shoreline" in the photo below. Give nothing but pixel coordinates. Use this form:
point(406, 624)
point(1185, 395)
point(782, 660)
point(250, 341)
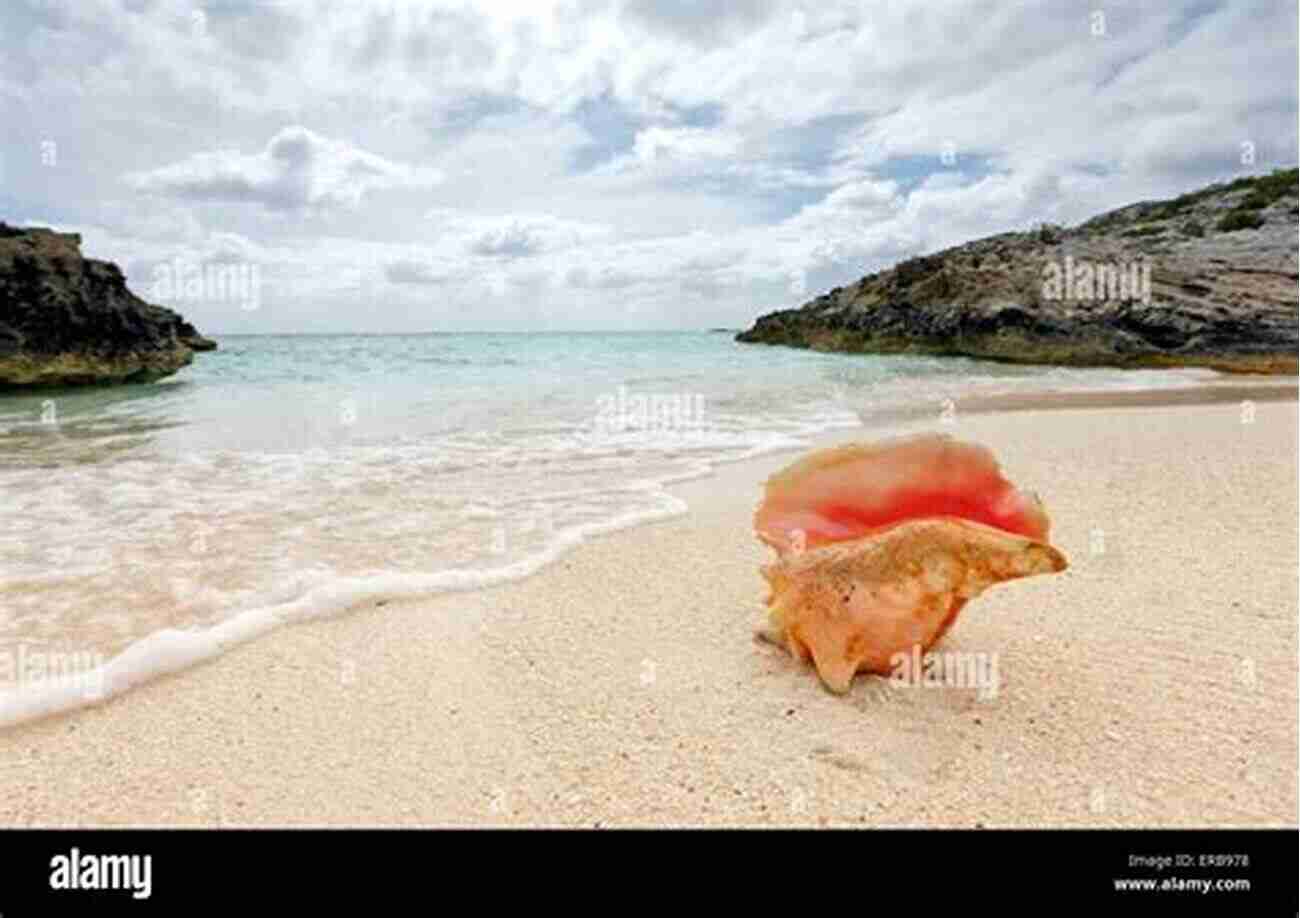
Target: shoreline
point(1214, 392)
point(363, 664)
point(172, 651)
point(1210, 392)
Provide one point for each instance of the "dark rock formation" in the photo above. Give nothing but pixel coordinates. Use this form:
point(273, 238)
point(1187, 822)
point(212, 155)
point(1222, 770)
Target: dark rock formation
point(1206, 279)
point(68, 320)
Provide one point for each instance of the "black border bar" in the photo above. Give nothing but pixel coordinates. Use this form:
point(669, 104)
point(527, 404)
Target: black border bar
point(976, 871)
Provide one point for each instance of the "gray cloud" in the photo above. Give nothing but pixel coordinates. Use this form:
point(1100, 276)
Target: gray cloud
point(700, 23)
point(414, 272)
point(513, 241)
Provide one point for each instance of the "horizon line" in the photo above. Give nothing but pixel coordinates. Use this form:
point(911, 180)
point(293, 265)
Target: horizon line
point(399, 334)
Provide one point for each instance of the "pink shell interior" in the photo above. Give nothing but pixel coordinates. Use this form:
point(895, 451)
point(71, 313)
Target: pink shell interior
point(848, 492)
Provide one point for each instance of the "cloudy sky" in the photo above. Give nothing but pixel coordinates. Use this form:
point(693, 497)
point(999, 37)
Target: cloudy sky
point(606, 164)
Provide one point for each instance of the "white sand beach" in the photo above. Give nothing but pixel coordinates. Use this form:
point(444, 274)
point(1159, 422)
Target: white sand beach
point(1152, 684)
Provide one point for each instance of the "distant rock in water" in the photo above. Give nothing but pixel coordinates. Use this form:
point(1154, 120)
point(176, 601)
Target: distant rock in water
point(1206, 279)
point(67, 320)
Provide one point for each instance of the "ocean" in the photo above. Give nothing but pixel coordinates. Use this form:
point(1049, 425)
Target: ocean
point(281, 478)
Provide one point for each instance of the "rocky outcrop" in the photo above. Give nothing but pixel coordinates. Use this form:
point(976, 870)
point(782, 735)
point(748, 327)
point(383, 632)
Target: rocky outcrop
point(68, 320)
point(1206, 279)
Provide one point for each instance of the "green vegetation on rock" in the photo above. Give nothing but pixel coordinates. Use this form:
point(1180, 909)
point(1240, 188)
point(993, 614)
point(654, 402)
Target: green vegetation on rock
point(1240, 219)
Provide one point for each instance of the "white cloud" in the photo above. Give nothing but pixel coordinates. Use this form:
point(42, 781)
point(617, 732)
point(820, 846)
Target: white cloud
point(611, 160)
point(684, 143)
point(298, 169)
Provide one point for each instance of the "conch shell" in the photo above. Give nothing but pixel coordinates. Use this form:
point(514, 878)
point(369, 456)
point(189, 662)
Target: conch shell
point(879, 546)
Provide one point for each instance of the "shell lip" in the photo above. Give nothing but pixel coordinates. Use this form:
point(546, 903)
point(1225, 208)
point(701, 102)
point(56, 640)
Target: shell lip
point(862, 488)
point(783, 549)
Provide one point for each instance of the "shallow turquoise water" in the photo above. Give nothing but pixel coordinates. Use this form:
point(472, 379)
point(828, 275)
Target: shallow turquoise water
point(279, 466)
